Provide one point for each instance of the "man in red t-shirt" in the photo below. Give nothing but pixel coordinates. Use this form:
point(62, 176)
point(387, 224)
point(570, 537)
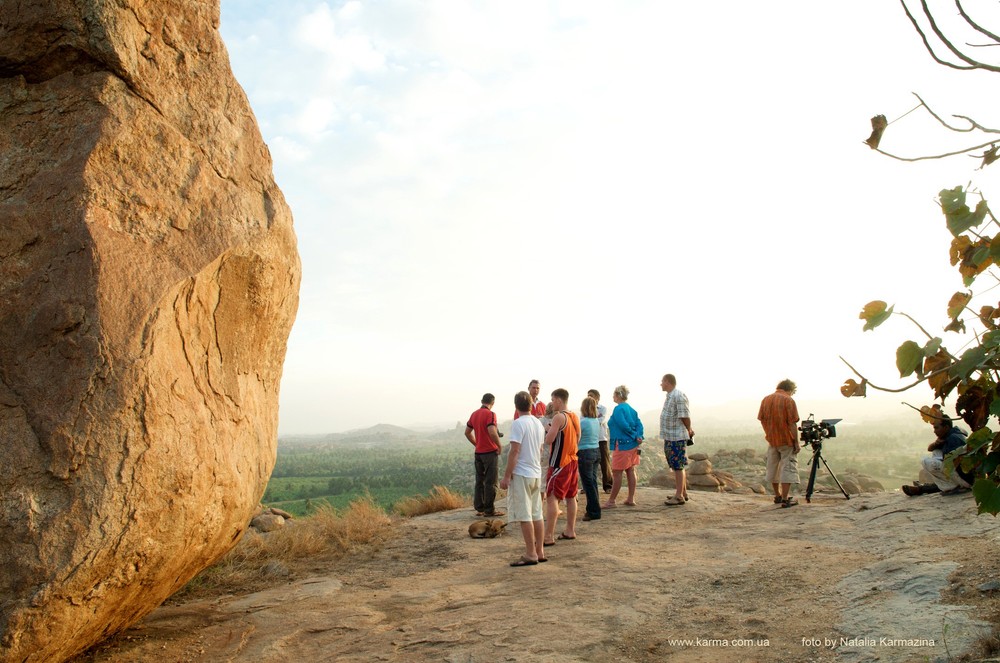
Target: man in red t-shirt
point(481, 431)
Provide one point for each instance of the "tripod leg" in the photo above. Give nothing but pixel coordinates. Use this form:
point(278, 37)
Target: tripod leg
point(835, 479)
point(812, 476)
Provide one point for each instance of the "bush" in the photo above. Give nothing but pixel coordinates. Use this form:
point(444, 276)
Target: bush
point(259, 559)
point(439, 499)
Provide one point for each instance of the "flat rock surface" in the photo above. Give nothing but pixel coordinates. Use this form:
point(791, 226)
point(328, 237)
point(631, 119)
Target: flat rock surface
point(723, 578)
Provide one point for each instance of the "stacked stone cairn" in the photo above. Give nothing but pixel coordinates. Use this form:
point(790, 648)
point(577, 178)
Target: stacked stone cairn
point(744, 474)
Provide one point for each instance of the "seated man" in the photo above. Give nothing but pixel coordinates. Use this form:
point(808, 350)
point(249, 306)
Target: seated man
point(947, 479)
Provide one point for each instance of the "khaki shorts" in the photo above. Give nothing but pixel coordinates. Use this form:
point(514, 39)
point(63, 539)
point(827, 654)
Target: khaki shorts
point(524, 499)
point(782, 465)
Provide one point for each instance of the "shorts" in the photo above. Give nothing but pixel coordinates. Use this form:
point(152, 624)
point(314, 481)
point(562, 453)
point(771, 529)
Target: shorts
point(676, 453)
point(524, 499)
point(623, 460)
point(563, 481)
point(781, 459)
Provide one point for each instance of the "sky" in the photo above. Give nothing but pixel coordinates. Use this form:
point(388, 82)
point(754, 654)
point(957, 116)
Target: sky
point(593, 194)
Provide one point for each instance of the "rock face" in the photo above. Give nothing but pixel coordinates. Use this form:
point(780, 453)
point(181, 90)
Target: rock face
point(148, 279)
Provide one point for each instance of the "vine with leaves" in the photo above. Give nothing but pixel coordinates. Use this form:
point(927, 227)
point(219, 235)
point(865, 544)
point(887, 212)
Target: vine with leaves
point(973, 374)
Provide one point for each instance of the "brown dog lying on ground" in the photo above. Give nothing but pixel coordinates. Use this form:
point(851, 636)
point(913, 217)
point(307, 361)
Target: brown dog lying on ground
point(486, 529)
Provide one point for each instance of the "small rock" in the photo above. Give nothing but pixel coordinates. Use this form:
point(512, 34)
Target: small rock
point(267, 522)
point(990, 586)
point(698, 456)
point(704, 480)
point(700, 467)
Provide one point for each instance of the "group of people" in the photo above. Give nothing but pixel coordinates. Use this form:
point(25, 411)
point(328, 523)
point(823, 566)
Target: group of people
point(554, 451)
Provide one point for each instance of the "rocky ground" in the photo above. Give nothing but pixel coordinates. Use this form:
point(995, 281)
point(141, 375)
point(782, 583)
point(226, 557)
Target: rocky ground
point(727, 577)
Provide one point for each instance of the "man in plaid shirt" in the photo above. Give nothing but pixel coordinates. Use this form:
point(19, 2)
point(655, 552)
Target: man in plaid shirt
point(675, 431)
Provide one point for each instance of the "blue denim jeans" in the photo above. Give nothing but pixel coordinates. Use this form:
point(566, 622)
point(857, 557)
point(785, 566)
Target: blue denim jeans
point(589, 460)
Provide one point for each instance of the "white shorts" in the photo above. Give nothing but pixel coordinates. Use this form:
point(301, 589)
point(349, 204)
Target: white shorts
point(524, 499)
point(782, 465)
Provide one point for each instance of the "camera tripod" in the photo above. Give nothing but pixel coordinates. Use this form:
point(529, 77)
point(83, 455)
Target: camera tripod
point(817, 447)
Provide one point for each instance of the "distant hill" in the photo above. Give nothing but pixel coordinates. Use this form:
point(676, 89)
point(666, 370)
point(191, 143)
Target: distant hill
point(379, 435)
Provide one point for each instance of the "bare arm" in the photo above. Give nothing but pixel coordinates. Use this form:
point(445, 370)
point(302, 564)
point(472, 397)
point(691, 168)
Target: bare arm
point(558, 422)
point(508, 474)
point(469, 436)
point(494, 436)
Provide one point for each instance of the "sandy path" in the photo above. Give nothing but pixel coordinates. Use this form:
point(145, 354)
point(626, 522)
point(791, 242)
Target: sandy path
point(737, 577)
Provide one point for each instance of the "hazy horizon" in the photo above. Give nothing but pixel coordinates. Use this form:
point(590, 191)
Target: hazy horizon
point(735, 416)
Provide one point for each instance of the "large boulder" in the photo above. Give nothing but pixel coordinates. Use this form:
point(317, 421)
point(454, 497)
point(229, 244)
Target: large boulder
point(148, 280)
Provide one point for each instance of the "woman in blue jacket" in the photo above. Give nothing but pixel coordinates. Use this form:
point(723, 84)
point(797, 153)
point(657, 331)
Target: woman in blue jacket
point(626, 435)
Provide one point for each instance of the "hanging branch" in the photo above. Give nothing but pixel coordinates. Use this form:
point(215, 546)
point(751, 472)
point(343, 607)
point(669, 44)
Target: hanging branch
point(927, 44)
point(974, 64)
point(988, 157)
point(902, 389)
point(975, 26)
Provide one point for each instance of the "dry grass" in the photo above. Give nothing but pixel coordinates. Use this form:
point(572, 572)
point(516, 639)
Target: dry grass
point(262, 560)
point(439, 499)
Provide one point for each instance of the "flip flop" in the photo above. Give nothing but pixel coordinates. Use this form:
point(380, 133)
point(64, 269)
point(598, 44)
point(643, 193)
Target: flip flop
point(525, 562)
point(545, 544)
point(629, 503)
point(542, 559)
point(564, 537)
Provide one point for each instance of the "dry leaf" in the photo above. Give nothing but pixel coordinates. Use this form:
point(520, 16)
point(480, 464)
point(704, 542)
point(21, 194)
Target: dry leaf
point(879, 124)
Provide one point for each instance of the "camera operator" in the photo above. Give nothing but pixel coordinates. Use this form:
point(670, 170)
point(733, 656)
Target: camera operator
point(778, 417)
point(949, 437)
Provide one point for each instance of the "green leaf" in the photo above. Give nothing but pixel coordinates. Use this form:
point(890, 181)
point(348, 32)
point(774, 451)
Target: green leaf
point(980, 255)
point(875, 313)
point(989, 465)
point(991, 339)
point(952, 200)
point(933, 345)
point(987, 494)
point(995, 248)
point(978, 440)
point(971, 359)
point(909, 357)
point(995, 407)
point(957, 214)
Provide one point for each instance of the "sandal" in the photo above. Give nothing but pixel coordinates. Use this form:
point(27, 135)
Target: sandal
point(675, 501)
point(563, 537)
point(524, 561)
point(788, 501)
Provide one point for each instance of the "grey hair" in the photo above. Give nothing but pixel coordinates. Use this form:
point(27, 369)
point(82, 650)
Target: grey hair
point(621, 391)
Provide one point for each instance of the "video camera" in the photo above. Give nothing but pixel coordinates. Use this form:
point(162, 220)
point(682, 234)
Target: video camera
point(814, 433)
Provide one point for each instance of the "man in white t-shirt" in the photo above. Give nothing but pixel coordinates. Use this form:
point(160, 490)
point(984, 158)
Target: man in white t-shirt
point(523, 480)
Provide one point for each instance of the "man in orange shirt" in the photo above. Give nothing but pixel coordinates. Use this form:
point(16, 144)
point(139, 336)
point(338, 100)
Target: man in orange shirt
point(563, 438)
point(778, 417)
